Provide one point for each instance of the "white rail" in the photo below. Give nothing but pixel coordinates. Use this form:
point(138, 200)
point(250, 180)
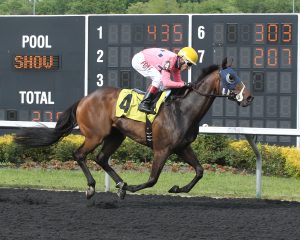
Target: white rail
point(25, 124)
point(250, 134)
point(250, 131)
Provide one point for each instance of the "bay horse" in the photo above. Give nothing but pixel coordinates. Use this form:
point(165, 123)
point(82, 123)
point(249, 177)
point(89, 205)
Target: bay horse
point(174, 129)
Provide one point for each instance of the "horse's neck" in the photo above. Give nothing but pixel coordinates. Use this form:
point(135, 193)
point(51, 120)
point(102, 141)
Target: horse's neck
point(198, 105)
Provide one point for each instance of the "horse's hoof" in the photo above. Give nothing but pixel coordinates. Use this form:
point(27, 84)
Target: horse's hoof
point(121, 191)
point(174, 189)
point(90, 192)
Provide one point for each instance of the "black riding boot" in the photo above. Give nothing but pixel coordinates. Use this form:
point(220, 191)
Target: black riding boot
point(146, 105)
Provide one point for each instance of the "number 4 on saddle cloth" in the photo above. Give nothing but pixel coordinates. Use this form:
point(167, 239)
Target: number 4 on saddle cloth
point(127, 106)
point(129, 100)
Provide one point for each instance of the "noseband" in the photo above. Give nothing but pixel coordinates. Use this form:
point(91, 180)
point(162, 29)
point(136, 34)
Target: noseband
point(230, 94)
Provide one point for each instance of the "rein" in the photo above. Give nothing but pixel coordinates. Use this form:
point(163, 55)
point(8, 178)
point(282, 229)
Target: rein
point(206, 94)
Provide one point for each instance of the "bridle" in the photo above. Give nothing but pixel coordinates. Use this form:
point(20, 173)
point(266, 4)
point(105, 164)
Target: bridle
point(230, 94)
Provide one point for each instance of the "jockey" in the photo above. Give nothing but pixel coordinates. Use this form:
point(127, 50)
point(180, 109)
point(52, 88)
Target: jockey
point(160, 65)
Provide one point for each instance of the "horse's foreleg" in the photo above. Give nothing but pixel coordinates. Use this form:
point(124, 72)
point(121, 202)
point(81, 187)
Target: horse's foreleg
point(79, 156)
point(159, 161)
point(189, 157)
point(110, 145)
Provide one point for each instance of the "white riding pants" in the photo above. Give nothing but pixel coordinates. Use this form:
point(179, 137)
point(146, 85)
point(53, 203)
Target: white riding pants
point(148, 71)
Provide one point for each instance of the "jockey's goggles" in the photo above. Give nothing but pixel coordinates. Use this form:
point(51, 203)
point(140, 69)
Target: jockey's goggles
point(188, 63)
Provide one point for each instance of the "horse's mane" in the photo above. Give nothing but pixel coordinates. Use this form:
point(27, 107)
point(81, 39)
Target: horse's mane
point(206, 71)
point(178, 93)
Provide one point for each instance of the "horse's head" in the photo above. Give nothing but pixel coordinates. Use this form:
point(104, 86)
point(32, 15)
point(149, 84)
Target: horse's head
point(232, 86)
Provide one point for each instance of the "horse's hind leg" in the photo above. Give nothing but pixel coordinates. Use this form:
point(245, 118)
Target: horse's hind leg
point(189, 157)
point(80, 155)
point(110, 145)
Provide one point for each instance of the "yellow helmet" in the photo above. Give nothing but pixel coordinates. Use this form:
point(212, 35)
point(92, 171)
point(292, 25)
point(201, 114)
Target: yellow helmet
point(189, 54)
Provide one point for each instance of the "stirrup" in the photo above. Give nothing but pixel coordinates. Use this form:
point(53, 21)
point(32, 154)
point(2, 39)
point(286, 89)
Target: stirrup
point(146, 110)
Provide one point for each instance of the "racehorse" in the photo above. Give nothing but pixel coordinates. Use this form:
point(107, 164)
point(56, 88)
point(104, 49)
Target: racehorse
point(173, 130)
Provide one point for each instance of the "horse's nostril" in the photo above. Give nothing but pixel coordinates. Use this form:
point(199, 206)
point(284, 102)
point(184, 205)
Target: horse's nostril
point(250, 99)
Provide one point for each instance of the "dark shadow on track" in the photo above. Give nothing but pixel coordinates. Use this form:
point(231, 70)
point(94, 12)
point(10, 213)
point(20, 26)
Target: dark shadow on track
point(35, 214)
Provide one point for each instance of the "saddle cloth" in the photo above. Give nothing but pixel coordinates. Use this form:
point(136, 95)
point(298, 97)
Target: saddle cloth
point(128, 102)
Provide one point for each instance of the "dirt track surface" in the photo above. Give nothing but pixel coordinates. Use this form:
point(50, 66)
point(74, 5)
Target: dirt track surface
point(34, 214)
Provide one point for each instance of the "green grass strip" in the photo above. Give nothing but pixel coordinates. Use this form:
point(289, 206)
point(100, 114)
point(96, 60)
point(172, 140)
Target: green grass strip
point(224, 185)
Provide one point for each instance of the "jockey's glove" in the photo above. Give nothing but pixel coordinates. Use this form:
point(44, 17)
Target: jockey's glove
point(188, 85)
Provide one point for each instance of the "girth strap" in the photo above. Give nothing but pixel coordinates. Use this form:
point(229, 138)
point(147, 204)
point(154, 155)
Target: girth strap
point(148, 132)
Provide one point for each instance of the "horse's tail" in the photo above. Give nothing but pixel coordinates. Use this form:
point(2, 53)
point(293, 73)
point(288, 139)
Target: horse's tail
point(38, 137)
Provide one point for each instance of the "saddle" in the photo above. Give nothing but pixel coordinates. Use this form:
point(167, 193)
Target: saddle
point(177, 93)
point(129, 100)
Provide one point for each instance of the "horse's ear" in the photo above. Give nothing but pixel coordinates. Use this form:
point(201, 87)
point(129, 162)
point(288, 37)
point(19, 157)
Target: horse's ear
point(226, 63)
point(230, 61)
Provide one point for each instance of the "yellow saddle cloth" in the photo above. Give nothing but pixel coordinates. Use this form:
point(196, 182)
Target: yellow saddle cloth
point(128, 102)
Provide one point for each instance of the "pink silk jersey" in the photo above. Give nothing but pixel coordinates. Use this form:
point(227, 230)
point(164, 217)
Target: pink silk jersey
point(164, 61)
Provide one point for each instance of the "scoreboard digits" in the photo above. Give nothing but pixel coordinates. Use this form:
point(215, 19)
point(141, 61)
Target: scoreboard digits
point(264, 49)
point(113, 41)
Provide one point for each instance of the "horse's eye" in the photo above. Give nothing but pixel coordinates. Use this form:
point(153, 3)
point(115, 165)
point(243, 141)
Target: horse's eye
point(230, 78)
